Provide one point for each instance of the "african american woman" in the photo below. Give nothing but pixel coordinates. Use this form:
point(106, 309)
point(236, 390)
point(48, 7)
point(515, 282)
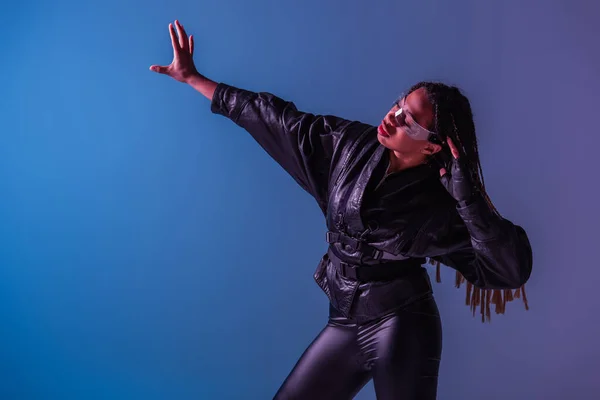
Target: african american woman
point(394, 197)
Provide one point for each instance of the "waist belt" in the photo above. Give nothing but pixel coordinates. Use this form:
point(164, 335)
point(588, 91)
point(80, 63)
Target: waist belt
point(359, 245)
point(377, 272)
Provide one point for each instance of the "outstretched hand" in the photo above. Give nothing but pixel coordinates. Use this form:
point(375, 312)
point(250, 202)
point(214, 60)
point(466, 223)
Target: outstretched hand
point(458, 181)
point(182, 67)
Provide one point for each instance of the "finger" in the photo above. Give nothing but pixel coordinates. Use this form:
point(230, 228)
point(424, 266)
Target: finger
point(453, 148)
point(446, 181)
point(191, 45)
point(443, 171)
point(182, 36)
point(159, 69)
point(174, 42)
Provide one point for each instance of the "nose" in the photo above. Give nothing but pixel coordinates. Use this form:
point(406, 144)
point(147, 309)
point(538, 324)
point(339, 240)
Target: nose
point(391, 120)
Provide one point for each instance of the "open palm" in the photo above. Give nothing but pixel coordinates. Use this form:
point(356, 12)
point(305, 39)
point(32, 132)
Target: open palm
point(182, 67)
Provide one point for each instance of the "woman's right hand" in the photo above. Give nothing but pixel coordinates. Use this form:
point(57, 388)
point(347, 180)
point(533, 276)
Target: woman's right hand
point(182, 67)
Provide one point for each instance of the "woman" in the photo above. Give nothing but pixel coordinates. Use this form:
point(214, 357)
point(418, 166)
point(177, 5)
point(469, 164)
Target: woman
point(386, 211)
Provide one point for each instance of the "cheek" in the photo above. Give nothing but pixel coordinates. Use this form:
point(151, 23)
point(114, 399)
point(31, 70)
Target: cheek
point(401, 141)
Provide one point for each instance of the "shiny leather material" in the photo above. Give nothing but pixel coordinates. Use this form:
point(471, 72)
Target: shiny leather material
point(408, 214)
point(400, 351)
point(458, 181)
point(368, 300)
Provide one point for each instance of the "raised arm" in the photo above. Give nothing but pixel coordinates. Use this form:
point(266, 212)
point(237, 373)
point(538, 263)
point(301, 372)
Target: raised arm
point(490, 251)
point(302, 143)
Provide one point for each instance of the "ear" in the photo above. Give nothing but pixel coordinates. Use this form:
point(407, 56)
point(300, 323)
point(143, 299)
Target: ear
point(431, 148)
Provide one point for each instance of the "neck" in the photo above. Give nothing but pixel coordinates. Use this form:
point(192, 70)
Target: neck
point(400, 161)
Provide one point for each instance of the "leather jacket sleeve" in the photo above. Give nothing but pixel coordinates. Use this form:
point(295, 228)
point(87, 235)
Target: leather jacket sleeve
point(489, 251)
point(300, 142)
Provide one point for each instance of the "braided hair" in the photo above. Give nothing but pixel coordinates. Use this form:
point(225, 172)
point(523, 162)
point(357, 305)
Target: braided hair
point(453, 118)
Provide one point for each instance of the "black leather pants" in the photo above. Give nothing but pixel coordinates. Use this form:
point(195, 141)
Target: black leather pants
point(400, 351)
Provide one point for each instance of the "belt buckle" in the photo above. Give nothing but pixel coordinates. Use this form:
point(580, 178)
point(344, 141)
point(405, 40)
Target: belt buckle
point(328, 236)
point(377, 254)
point(349, 271)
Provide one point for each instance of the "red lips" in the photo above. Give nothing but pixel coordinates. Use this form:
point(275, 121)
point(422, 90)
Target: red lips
point(381, 131)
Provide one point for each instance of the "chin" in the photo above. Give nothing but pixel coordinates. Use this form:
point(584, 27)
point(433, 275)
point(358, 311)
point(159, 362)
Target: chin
point(383, 141)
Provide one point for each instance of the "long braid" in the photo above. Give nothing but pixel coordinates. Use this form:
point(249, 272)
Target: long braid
point(469, 142)
point(453, 118)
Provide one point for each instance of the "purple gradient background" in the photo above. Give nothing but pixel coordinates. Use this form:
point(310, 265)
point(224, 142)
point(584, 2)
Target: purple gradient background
point(151, 250)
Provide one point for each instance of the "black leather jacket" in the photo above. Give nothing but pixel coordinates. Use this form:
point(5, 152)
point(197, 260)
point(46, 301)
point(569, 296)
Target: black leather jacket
point(408, 214)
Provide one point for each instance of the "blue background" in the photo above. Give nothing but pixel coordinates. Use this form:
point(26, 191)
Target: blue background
point(151, 250)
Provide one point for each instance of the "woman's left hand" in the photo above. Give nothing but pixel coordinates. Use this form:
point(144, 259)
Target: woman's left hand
point(458, 181)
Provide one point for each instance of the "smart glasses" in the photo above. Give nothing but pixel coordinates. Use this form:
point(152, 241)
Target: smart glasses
point(406, 120)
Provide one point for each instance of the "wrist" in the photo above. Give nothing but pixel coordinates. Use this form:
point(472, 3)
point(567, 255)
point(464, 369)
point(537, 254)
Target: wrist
point(463, 203)
point(195, 79)
point(202, 84)
point(466, 201)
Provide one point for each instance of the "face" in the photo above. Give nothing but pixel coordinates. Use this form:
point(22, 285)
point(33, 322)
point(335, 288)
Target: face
point(397, 133)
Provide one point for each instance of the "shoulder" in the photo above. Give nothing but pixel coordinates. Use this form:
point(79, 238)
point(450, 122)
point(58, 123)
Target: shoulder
point(355, 133)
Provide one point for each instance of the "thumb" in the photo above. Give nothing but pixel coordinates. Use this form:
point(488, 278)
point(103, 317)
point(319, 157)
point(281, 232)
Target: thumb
point(159, 69)
point(446, 180)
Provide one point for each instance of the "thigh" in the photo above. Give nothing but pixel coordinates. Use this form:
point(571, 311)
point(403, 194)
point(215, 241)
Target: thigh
point(409, 348)
point(330, 368)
